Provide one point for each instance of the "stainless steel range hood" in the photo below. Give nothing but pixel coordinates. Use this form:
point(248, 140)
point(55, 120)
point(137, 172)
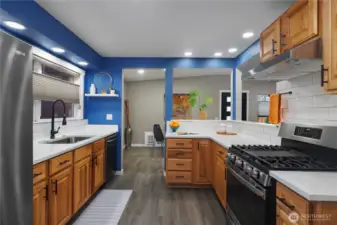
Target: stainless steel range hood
point(299, 61)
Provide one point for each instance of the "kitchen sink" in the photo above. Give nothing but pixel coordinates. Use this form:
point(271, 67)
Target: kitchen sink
point(66, 140)
point(187, 133)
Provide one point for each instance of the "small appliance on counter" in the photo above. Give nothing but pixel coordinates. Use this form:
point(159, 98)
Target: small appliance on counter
point(251, 192)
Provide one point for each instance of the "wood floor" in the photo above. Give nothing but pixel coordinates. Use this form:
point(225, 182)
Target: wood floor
point(153, 203)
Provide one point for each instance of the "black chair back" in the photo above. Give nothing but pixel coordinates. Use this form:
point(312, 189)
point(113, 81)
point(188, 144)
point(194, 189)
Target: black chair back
point(158, 133)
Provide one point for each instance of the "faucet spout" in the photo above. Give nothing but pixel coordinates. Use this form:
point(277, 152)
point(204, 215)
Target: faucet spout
point(64, 121)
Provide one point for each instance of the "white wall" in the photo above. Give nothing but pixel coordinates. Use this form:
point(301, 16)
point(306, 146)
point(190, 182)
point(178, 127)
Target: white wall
point(308, 103)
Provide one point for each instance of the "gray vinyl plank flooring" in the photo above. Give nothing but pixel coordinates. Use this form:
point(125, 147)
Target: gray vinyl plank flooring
point(153, 203)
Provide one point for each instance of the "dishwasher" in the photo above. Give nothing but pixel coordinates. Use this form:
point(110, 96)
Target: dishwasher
point(110, 159)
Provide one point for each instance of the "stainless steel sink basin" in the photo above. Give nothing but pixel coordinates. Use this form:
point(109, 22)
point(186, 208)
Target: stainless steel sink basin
point(66, 140)
point(187, 133)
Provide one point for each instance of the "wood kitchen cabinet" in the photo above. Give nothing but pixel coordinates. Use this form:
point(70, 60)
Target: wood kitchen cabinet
point(61, 197)
point(202, 172)
point(98, 162)
point(329, 68)
point(40, 203)
point(82, 182)
point(299, 23)
point(270, 41)
point(221, 180)
point(291, 205)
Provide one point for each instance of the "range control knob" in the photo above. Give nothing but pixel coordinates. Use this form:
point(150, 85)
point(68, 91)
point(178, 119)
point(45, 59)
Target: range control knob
point(239, 162)
point(256, 173)
point(231, 157)
point(248, 169)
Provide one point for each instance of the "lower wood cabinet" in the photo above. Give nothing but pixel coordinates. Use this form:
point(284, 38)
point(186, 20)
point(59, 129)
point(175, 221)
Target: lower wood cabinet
point(82, 182)
point(202, 172)
point(61, 197)
point(220, 180)
point(98, 170)
point(40, 203)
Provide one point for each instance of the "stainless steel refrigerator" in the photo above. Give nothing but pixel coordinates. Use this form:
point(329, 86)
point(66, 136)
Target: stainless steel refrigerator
point(16, 131)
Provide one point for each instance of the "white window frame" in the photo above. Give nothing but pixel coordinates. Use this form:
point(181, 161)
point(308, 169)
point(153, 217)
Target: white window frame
point(78, 108)
point(229, 91)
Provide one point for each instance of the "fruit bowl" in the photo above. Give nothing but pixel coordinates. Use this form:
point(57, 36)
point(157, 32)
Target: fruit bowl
point(174, 129)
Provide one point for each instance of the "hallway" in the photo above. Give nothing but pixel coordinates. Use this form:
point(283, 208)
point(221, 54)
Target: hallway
point(153, 203)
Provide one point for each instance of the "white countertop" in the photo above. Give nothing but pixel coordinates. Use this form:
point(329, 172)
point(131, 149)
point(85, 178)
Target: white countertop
point(225, 140)
point(42, 152)
point(314, 186)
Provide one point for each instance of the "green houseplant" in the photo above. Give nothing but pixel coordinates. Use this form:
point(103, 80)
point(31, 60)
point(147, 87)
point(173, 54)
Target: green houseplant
point(195, 102)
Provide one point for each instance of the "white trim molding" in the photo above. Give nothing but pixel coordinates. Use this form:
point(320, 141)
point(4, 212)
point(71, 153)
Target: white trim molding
point(119, 172)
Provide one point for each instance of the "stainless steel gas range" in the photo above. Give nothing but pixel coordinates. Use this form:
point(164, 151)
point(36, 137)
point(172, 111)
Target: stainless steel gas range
point(251, 192)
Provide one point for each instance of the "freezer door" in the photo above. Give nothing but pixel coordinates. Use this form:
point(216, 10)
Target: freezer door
point(16, 131)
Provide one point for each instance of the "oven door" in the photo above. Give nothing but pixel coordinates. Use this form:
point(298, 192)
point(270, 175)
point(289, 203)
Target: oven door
point(246, 200)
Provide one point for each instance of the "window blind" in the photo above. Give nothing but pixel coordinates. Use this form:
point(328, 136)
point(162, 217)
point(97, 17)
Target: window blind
point(50, 88)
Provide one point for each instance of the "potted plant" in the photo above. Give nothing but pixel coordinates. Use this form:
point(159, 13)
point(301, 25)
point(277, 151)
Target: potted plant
point(112, 91)
point(194, 100)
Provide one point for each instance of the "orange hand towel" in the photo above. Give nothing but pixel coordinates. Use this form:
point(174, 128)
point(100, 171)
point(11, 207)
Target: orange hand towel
point(275, 109)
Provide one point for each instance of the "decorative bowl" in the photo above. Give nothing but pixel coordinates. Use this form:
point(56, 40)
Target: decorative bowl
point(174, 129)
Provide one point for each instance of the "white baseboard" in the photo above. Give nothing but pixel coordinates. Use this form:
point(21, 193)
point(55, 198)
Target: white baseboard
point(144, 145)
point(164, 173)
point(119, 172)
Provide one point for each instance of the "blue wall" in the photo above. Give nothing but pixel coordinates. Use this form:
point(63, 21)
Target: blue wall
point(96, 109)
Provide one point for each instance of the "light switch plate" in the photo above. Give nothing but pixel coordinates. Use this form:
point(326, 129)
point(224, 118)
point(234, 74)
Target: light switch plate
point(109, 117)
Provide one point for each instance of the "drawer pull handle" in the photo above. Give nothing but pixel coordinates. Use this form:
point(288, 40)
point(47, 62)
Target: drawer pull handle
point(64, 162)
point(180, 153)
point(46, 191)
point(37, 174)
point(284, 201)
point(178, 177)
point(180, 164)
point(180, 144)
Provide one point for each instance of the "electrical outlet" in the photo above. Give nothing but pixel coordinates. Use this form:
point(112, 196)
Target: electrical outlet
point(109, 117)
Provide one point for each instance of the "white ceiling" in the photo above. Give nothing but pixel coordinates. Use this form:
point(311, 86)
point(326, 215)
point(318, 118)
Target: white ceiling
point(131, 75)
point(165, 28)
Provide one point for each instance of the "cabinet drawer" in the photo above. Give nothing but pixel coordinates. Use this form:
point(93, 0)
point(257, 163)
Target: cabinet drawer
point(292, 200)
point(99, 145)
point(83, 152)
point(40, 171)
point(179, 143)
point(175, 177)
point(179, 164)
point(179, 153)
point(61, 162)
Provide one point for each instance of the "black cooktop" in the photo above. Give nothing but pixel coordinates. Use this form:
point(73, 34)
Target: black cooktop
point(273, 157)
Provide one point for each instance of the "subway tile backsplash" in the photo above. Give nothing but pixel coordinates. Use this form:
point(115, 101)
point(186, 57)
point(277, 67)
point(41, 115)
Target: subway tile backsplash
point(308, 103)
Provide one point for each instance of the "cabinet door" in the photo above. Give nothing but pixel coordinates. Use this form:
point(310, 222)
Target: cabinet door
point(214, 164)
point(98, 171)
point(221, 181)
point(299, 23)
point(330, 45)
point(82, 182)
point(61, 196)
point(283, 217)
point(270, 42)
point(201, 162)
point(40, 197)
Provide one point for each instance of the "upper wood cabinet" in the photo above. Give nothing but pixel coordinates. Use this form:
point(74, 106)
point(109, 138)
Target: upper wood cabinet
point(202, 173)
point(270, 41)
point(61, 197)
point(82, 182)
point(40, 197)
point(299, 23)
point(329, 69)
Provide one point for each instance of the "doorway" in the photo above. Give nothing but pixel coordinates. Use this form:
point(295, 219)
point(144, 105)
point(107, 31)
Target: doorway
point(225, 105)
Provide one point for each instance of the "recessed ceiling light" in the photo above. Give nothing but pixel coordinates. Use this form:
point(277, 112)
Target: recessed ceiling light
point(218, 54)
point(141, 71)
point(58, 50)
point(14, 25)
point(248, 35)
point(188, 53)
point(83, 63)
point(232, 50)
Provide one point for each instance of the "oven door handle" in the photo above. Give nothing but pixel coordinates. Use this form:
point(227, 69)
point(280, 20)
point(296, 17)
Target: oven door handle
point(251, 187)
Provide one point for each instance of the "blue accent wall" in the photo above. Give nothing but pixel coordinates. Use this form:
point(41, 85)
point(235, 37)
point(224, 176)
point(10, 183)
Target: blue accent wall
point(252, 50)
